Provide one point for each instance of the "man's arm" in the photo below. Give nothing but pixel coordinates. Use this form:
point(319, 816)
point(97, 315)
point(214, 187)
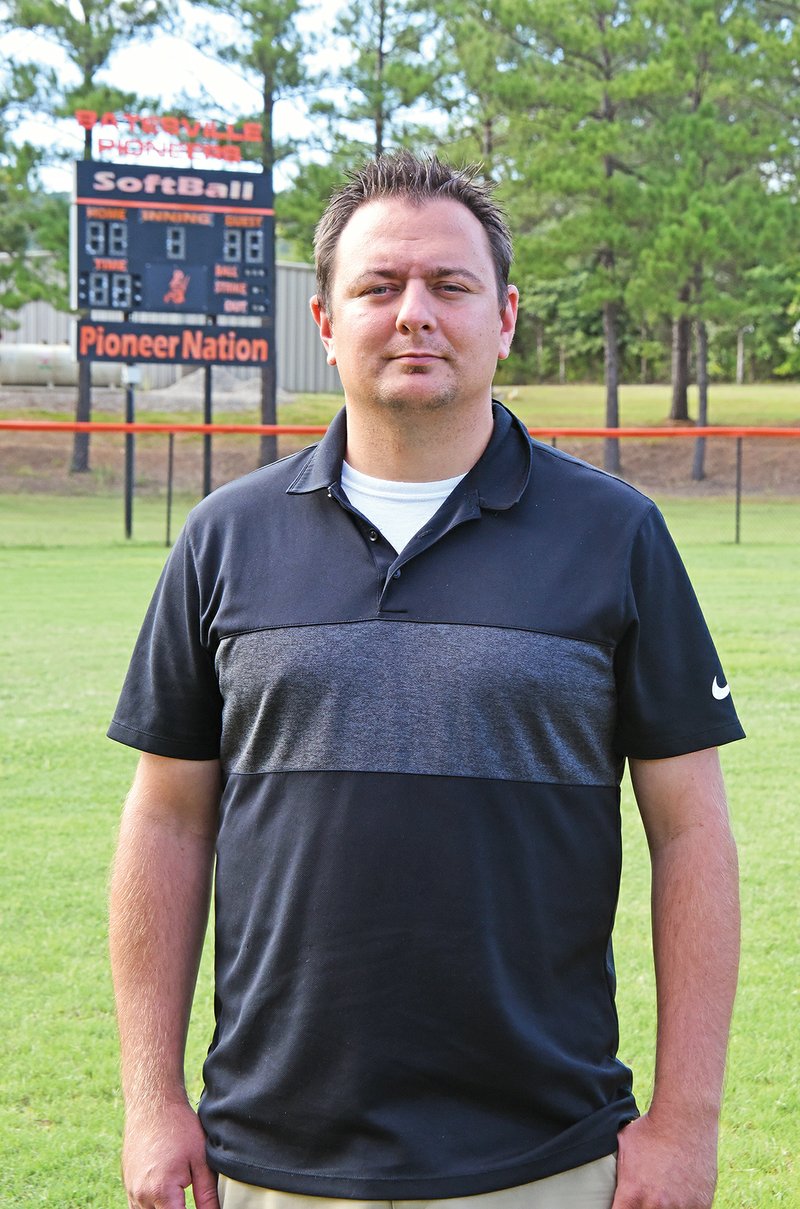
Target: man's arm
point(668, 1158)
point(160, 891)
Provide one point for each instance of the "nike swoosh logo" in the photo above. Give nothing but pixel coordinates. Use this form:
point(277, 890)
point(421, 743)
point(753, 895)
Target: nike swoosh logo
point(720, 691)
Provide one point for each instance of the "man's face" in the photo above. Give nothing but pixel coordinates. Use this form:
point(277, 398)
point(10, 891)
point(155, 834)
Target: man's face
point(413, 320)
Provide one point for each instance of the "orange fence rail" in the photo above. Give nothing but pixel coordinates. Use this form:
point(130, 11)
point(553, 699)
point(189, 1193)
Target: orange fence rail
point(102, 426)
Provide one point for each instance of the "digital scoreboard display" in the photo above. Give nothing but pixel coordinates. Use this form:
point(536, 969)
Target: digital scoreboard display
point(170, 241)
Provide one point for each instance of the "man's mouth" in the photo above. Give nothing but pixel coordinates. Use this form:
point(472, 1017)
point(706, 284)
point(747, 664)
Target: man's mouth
point(417, 357)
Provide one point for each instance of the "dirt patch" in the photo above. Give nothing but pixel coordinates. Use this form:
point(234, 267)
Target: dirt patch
point(40, 462)
point(665, 465)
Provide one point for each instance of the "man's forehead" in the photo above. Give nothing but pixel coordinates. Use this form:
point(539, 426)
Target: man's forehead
point(395, 225)
point(403, 214)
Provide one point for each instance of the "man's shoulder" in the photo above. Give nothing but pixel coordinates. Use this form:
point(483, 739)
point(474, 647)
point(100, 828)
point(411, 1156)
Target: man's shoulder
point(560, 479)
point(249, 495)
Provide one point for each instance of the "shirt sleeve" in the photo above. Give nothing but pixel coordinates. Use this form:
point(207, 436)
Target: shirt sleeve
point(170, 703)
point(673, 696)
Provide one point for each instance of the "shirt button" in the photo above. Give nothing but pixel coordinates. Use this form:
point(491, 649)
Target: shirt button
point(373, 536)
point(396, 575)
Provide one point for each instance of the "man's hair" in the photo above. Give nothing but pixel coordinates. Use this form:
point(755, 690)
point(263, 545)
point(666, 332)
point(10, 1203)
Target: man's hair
point(417, 181)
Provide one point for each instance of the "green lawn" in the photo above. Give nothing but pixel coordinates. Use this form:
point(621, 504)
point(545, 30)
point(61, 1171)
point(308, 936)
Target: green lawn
point(73, 593)
point(579, 405)
point(576, 405)
point(583, 404)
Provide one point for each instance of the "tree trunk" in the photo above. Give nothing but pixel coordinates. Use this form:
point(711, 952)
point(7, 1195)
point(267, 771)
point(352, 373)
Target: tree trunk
point(379, 64)
point(83, 402)
point(268, 445)
point(83, 412)
point(681, 331)
point(740, 356)
point(611, 459)
point(699, 465)
point(562, 364)
point(487, 145)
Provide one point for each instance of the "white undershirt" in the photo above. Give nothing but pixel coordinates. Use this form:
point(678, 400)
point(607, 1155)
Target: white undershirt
point(398, 510)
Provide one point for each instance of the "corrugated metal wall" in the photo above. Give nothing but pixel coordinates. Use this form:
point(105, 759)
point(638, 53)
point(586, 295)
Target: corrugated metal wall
point(301, 358)
point(39, 323)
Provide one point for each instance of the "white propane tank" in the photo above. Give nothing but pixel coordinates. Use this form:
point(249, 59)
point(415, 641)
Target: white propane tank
point(49, 365)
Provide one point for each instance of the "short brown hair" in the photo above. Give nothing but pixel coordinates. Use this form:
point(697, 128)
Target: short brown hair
point(401, 174)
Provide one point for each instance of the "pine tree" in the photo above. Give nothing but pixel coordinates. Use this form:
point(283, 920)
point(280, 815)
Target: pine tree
point(573, 77)
point(269, 50)
point(89, 32)
point(365, 106)
point(721, 113)
point(389, 70)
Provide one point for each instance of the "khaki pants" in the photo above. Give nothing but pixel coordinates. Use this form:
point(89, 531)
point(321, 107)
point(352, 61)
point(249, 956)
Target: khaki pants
point(589, 1187)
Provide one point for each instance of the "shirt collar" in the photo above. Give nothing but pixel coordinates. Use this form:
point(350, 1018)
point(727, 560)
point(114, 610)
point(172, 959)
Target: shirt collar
point(498, 478)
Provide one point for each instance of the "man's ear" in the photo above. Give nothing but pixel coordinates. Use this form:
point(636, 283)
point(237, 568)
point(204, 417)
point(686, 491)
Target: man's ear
point(325, 325)
point(508, 322)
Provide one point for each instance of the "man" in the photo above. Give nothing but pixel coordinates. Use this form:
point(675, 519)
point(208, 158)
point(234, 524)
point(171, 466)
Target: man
point(392, 680)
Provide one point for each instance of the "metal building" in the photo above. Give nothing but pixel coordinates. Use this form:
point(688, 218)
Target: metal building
point(39, 351)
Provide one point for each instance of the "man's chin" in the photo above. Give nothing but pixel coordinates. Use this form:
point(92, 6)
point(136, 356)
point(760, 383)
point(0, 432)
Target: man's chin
point(417, 397)
point(418, 388)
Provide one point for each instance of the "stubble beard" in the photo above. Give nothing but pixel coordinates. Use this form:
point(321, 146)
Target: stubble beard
point(394, 399)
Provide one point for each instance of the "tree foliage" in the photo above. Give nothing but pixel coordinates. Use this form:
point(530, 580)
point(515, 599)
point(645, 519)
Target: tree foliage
point(574, 80)
point(269, 49)
point(299, 207)
point(31, 222)
point(647, 155)
point(389, 70)
point(645, 150)
point(87, 32)
point(388, 79)
point(720, 114)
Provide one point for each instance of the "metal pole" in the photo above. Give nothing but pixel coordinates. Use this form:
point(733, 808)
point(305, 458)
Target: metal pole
point(170, 470)
point(207, 436)
point(130, 455)
point(738, 489)
point(207, 419)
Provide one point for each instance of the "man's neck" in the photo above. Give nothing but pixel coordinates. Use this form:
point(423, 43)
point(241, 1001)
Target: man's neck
point(423, 449)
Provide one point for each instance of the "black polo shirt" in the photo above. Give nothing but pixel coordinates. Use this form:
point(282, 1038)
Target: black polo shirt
point(419, 842)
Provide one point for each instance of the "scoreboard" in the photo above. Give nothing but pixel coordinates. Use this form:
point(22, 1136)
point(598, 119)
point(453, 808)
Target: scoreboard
point(170, 241)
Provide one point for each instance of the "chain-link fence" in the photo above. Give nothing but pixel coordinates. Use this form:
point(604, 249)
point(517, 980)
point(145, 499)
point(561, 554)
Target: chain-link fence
point(748, 492)
point(739, 485)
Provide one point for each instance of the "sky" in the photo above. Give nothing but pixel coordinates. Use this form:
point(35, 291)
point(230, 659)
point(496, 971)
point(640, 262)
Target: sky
point(167, 67)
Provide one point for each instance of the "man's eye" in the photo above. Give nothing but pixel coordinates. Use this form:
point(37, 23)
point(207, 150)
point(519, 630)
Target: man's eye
point(451, 287)
point(378, 289)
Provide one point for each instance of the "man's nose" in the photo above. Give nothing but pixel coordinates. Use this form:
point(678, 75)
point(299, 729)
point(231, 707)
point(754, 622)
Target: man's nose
point(416, 312)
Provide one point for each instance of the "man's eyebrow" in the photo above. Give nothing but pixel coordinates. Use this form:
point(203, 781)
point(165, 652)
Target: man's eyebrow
point(370, 275)
point(456, 271)
point(385, 273)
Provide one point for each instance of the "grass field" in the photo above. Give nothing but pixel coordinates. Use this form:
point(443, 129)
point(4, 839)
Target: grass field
point(583, 403)
point(578, 404)
point(73, 594)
